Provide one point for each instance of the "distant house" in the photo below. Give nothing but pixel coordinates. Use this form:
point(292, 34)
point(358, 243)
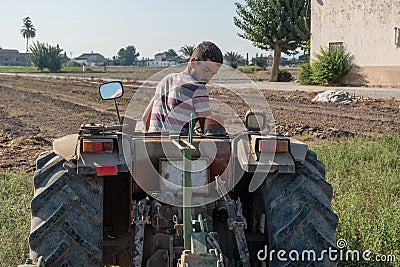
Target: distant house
point(369, 30)
point(160, 56)
point(91, 59)
point(12, 57)
point(160, 60)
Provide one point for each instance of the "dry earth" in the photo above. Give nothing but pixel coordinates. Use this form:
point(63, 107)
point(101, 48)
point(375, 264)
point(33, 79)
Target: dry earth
point(34, 111)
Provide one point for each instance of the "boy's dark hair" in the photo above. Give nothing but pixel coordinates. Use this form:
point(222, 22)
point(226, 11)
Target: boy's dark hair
point(208, 50)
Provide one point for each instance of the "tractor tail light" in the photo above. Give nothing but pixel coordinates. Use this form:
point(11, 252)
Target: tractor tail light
point(273, 145)
point(107, 170)
point(97, 145)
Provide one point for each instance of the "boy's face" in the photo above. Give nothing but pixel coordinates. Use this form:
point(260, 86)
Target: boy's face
point(203, 71)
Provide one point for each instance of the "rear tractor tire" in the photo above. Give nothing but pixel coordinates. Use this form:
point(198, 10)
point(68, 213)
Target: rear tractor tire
point(299, 216)
point(67, 215)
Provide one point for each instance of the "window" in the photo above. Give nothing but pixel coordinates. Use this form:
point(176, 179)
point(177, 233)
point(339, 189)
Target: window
point(397, 36)
point(335, 45)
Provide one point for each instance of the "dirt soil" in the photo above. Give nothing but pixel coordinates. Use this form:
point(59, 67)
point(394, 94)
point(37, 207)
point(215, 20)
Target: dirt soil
point(35, 111)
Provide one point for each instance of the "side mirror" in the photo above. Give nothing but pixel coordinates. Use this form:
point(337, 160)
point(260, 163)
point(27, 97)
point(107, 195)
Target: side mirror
point(111, 90)
point(255, 121)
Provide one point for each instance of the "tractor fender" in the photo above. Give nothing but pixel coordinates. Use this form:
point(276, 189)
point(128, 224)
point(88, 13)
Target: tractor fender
point(67, 146)
point(298, 150)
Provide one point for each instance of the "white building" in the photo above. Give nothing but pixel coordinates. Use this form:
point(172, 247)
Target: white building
point(370, 31)
point(161, 60)
point(91, 59)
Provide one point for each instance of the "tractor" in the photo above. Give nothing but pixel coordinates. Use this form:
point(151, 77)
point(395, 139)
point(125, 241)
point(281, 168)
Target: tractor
point(113, 196)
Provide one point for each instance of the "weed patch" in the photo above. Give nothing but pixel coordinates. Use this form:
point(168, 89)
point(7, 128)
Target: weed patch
point(365, 175)
point(15, 194)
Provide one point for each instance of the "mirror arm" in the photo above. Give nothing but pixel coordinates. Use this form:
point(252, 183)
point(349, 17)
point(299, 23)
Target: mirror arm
point(116, 108)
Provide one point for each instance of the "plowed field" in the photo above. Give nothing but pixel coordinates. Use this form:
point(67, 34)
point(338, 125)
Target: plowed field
point(36, 110)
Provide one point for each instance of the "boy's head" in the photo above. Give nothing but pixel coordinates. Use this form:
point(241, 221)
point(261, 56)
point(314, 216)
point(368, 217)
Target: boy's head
point(208, 51)
point(205, 61)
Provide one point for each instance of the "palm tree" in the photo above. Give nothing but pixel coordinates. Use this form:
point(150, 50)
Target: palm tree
point(233, 58)
point(187, 51)
point(28, 31)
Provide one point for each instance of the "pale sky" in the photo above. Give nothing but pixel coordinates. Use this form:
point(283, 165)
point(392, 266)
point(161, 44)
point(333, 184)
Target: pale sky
point(106, 26)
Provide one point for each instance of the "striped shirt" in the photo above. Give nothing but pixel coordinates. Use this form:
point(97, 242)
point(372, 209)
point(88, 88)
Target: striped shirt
point(177, 96)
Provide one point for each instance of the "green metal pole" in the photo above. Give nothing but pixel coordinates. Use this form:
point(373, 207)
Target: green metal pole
point(187, 190)
point(187, 196)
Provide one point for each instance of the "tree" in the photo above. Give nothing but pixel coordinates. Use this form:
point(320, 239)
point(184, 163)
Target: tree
point(28, 31)
point(233, 58)
point(260, 61)
point(187, 51)
point(278, 25)
point(126, 56)
point(171, 53)
point(46, 56)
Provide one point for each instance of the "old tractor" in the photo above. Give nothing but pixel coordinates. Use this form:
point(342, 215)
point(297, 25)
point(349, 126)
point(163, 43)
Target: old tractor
point(110, 197)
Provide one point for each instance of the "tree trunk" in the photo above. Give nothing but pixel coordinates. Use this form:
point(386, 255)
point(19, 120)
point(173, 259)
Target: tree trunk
point(275, 64)
point(26, 55)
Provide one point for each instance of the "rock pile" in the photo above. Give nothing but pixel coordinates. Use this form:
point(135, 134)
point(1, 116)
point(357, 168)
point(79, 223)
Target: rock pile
point(337, 97)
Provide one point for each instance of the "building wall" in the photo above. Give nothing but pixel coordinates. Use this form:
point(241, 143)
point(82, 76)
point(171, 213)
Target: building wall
point(11, 57)
point(367, 30)
point(156, 63)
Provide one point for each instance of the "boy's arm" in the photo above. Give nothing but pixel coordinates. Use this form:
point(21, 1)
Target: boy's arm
point(147, 115)
point(202, 117)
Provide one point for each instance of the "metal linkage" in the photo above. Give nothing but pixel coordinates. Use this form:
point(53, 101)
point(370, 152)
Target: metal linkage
point(215, 249)
point(141, 218)
point(236, 221)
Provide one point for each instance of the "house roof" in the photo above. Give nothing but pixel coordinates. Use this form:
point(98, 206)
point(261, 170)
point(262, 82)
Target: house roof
point(160, 54)
point(85, 56)
point(8, 50)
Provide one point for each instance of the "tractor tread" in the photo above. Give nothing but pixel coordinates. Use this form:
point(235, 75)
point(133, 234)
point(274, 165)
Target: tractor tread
point(67, 215)
point(299, 212)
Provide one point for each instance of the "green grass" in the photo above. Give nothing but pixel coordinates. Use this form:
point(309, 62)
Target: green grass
point(22, 69)
point(15, 194)
point(18, 69)
point(365, 175)
point(71, 69)
point(18, 114)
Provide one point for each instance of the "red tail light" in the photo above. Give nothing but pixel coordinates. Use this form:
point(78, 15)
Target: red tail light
point(273, 145)
point(107, 170)
point(97, 145)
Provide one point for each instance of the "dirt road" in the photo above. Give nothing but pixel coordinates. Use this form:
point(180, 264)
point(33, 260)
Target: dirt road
point(36, 110)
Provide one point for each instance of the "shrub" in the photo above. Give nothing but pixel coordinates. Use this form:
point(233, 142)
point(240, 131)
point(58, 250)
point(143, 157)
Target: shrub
point(305, 74)
point(249, 69)
point(72, 64)
point(284, 76)
point(46, 56)
point(331, 65)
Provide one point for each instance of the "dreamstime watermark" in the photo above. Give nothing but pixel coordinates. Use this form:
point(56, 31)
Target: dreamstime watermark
point(338, 253)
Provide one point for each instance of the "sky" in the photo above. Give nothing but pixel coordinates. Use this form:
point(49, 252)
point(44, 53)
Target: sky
point(106, 26)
